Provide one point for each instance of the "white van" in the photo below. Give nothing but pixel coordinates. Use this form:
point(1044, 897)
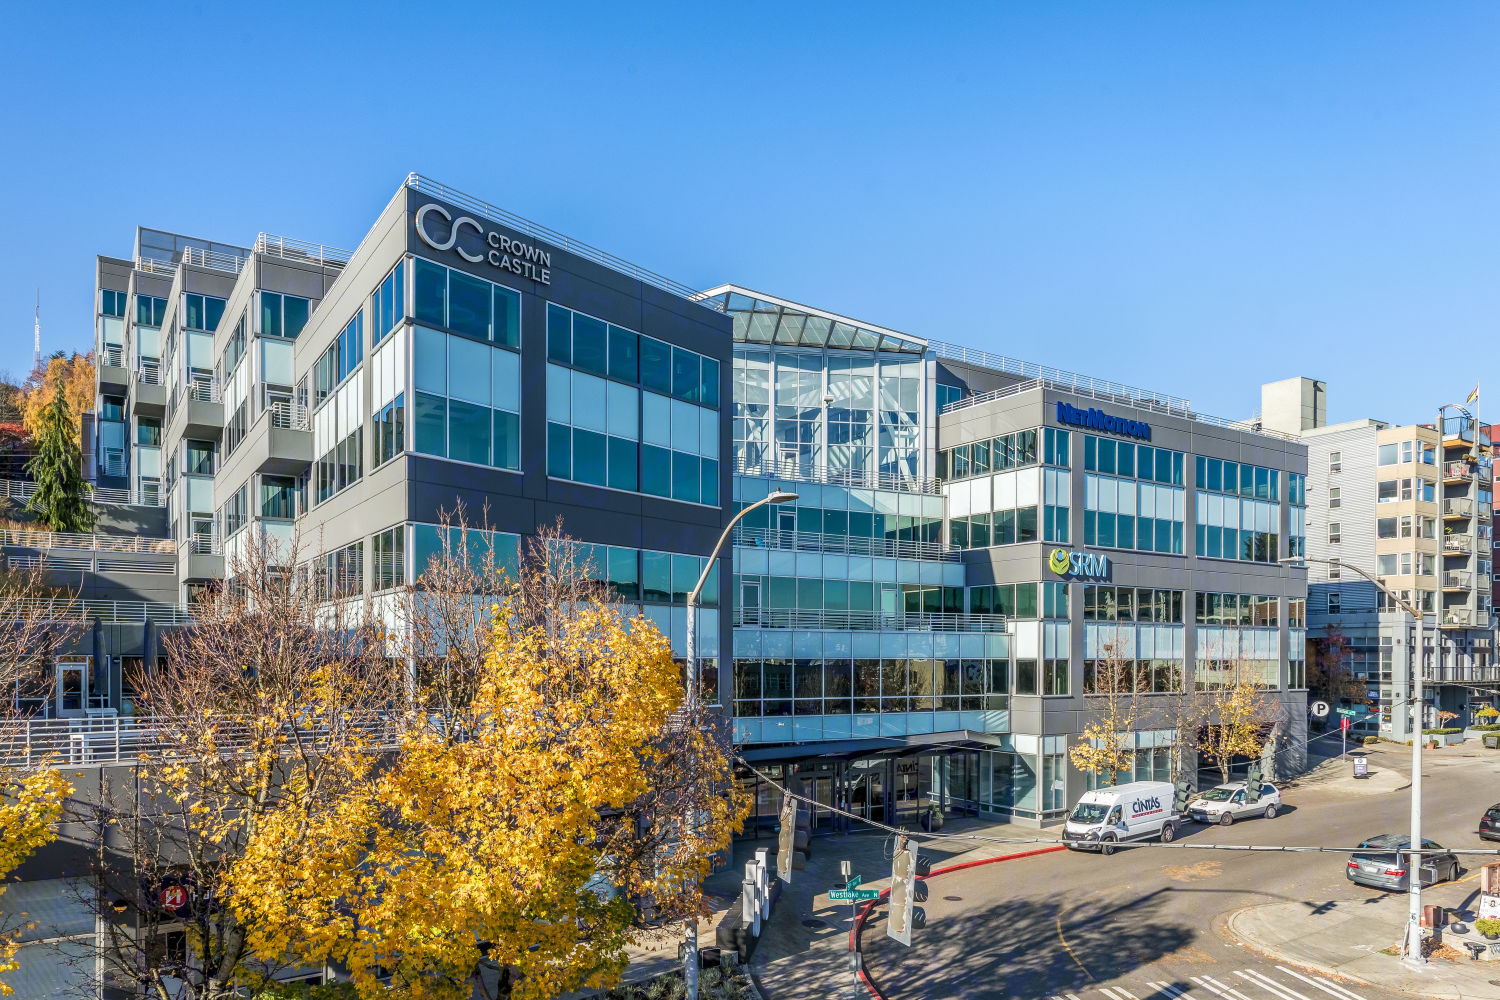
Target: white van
point(1107, 816)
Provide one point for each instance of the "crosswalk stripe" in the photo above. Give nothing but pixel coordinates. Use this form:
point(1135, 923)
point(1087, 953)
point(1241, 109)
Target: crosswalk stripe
point(1333, 989)
point(1171, 991)
point(1221, 989)
point(1110, 993)
point(1284, 992)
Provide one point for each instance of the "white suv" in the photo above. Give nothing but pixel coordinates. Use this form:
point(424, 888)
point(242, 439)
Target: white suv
point(1226, 803)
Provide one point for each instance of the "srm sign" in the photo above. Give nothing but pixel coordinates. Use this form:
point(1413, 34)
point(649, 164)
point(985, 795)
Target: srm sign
point(1091, 565)
point(523, 259)
point(1096, 419)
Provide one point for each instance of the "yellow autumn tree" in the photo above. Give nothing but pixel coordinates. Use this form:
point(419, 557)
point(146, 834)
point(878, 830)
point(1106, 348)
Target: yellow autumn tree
point(1105, 748)
point(529, 822)
point(1236, 715)
point(73, 377)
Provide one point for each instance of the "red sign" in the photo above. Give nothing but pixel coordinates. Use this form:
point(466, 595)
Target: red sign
point(173, 897)
point(1344, 723)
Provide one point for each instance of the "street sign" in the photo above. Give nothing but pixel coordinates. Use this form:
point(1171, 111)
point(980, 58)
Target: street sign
point(1348, 712)
point(1361, 767)
point(854, 882)
point(1318, 709)
point(854, 895)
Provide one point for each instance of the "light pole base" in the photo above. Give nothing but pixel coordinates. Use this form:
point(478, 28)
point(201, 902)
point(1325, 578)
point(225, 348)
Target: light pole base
point(1411, 955)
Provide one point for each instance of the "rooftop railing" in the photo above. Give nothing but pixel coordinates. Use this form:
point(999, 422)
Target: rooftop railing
point(19, 489)
point(812, 541)
point(1059, 378)
point(866, 621)
point(126, 612)
point(1094, 392)
point(806, 472)
point(217, 260)
point(426, 185)
point(288, 248)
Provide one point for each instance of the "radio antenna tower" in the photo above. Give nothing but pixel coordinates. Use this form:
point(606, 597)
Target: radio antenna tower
point(37, 332)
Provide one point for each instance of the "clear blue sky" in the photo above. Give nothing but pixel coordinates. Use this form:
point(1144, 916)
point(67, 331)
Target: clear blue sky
point(1190, 197)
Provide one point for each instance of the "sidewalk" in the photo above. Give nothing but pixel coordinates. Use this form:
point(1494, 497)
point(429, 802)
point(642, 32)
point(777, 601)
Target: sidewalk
point(804, 948)
point(1345, 937)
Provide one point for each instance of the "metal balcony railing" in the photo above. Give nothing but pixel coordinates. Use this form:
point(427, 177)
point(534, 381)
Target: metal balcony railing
point(1458, 616)
point(1457, 545)
point(107, 738)
point(148, 371)
point(114, 356)
point(812, 541)
point(17, 489)
point(289, 414)
point(1458, 581)
point(217, 260)
point(128, 612)
point(1458, 507)
point(86, 542)
point(1458, 472)
point(114, 462)
point(806, 472)
point(206, 543)
point(866, 621)
point(151, 265)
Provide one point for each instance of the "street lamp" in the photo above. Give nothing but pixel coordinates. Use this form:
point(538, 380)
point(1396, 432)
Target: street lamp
point(690, 957)
point(1412, 942)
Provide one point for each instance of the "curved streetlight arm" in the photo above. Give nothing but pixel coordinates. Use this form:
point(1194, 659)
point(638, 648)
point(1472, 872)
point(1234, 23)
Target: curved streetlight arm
point(1294, 560)
point(778, 496)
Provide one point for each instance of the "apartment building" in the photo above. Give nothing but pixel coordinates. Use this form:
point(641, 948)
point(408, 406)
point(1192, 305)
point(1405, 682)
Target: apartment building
point(1412, 506)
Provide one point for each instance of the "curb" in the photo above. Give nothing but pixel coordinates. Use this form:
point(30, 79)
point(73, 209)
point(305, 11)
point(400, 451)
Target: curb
point(864, 912)
point(1340, 974)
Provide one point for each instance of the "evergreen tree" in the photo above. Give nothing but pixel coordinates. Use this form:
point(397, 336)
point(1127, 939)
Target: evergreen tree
point(59, 499)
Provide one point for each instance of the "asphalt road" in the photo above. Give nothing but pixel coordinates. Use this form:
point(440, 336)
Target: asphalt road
point(1146, 923)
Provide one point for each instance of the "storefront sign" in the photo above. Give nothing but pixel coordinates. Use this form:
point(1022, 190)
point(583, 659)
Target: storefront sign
point(1098, 420)
point(523, 259)
point(1089, 565)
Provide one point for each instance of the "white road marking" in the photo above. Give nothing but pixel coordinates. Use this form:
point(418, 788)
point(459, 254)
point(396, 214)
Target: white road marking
point(1171, 991)
point(1285, 992)
point(1333, 989)
point(1110, 993)
point(1220, 988)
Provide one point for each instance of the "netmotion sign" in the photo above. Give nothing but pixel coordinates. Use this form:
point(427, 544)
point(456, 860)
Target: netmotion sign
point(1098, 420)
point(524, 259)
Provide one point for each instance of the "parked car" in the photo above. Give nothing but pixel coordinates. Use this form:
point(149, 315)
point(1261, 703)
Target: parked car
point(1489, 823)
point(1378, 864)
point(1224, 804)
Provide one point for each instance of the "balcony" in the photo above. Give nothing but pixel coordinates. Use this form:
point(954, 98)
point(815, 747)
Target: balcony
point(812, 541)
point(1458, 545)
point(1457, 618)
point(866, 621)
point(1458, 472)
point(1458, 582)
point(1460, 508)
point(112, 366)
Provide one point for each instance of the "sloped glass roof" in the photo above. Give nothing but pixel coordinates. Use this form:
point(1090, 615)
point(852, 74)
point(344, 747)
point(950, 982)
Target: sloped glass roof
point(765, 319)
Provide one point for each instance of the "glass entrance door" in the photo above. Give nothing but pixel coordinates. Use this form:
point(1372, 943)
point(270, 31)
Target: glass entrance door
point(867, 790)
point(749, 602)
point(72, 683)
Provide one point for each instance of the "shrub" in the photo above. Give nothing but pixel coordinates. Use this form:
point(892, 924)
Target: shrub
point(1488, 927)
point(1490, 728)
point(1372, 740)
point(1440, 732)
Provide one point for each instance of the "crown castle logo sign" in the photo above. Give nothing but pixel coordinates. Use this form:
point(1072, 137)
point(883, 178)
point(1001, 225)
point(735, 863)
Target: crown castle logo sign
point(1086, 565)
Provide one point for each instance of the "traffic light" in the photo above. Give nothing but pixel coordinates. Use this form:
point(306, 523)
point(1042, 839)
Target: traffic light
point(1182, 794)
point(786, 838)
point(903, 893)
point(1252, 784)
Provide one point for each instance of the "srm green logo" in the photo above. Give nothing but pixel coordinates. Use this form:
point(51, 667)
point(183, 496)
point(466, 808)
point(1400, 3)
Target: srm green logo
point(1086, 564)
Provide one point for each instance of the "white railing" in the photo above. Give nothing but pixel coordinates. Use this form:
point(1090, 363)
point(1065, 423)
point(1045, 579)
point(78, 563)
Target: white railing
point(1458, 616)
point(812, 541)
point(121, 739)
point(1082, 388)
point(114, 356)
point(86, 542)
point(1457, 545)
point(1458, 507)
point(806, 472)
point(1458, 470)
point(289, 414)
point(207, 543)
point(198, 257)
point(290, 249)
point(1458, 581)
point(152, 266)
point(114, 461)
point(1060, 379)
point(148, 371)
point(128, 612)
point(426, 185)
point(863, 621)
